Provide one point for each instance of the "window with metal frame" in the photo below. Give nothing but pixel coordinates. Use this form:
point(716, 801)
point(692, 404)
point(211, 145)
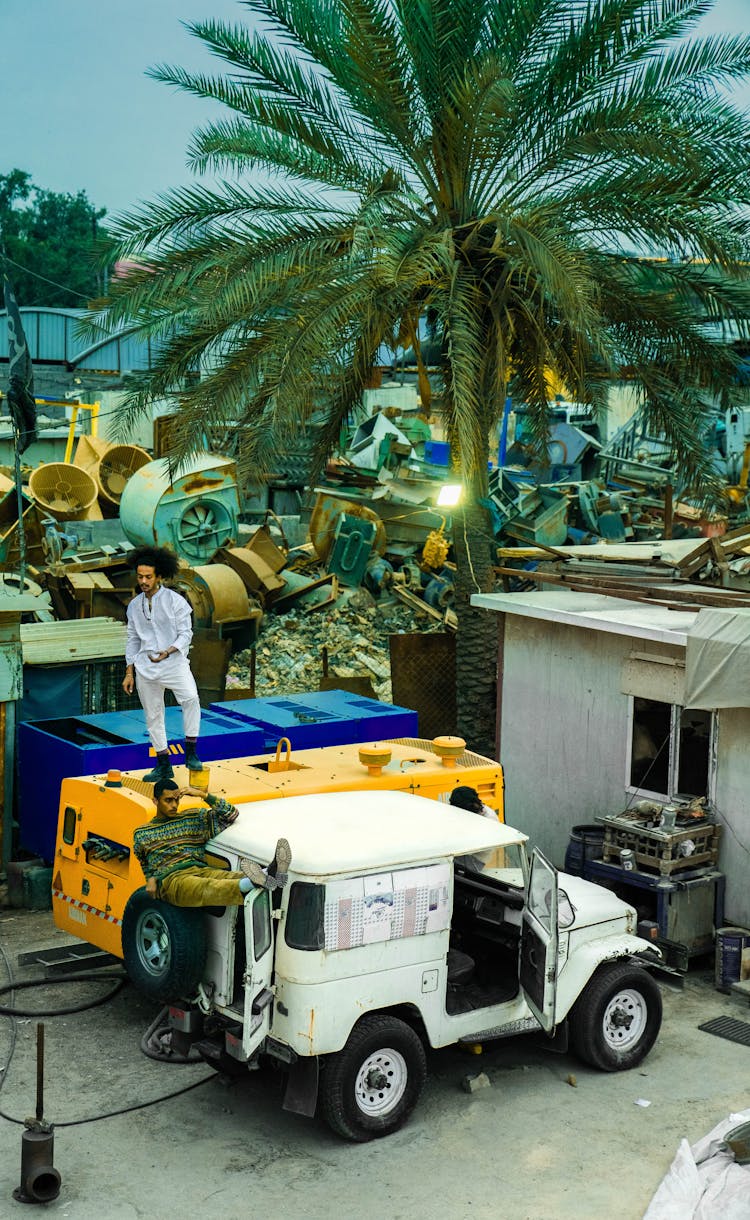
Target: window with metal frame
point(670, 749)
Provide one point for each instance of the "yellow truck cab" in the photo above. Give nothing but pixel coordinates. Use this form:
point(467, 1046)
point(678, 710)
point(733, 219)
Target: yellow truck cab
point(405, 922)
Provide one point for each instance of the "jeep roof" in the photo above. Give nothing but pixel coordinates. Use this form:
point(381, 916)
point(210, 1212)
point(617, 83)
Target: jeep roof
point(343, 832)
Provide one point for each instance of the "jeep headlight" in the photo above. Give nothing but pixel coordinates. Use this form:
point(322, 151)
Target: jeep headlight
point(566, 914)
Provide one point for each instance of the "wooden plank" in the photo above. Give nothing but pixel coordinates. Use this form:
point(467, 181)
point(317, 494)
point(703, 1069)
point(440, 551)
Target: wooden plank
point(417, 603)
point(695, 560)
point(690, 598)
point(719, 558)
point(72, 640)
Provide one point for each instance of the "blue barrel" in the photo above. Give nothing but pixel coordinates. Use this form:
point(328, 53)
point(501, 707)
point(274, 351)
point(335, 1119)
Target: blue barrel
point(586, 843)
point(732, 952)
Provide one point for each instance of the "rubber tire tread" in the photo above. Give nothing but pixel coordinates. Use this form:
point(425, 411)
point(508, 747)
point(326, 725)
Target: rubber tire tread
point(188, 945)
point(337, 1103)
point(586, 1017)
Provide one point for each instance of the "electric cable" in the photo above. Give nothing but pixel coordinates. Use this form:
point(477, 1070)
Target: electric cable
point(644, 777)
point(37, 276)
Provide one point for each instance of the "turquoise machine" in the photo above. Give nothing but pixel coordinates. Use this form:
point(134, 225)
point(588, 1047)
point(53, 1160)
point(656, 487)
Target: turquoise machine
point(195, 512)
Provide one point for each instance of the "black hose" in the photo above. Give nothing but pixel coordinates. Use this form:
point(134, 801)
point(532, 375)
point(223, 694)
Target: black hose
point(152, 1043)
point(90, 977)
point(87, 977)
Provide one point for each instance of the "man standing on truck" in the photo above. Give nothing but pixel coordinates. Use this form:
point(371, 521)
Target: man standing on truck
point(156, 656)
point(171, 850)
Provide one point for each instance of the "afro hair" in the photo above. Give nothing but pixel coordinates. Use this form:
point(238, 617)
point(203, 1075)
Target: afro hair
point(164, 562)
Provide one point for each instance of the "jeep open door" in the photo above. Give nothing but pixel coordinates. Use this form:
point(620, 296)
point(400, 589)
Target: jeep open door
point(538, 962)
point(259, 939)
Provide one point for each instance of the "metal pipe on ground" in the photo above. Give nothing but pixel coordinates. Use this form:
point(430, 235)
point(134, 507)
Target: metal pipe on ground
point(40, 1181)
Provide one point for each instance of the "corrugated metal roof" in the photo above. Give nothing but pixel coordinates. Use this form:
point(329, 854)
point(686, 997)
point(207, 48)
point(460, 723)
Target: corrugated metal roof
point(50, 333)
point(52, 339)
point(117, 353)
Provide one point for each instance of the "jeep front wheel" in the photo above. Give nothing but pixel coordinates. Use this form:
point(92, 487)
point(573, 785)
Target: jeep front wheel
point(371, 1086)
point(616, 1020)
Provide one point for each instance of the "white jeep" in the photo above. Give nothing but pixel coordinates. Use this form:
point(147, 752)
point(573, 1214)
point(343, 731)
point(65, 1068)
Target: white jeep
point(392, 933)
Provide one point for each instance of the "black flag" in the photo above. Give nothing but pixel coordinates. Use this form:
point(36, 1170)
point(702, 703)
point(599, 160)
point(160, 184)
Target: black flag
point(20, 373)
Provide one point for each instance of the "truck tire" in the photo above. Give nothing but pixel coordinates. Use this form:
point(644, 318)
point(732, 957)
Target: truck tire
point(371, 1086)
point(163, 947)
point(617, 1018)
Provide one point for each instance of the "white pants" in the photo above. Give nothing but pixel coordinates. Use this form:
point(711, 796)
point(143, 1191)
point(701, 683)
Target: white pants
point(151, 695)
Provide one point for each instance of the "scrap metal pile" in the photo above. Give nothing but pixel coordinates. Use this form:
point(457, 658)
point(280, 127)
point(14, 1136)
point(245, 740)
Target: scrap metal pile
point(81, 521)
point(606, 519)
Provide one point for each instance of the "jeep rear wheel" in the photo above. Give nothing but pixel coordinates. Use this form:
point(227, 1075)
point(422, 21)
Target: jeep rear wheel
point(371, 1086)
point(163, 947)
point(616, 1020)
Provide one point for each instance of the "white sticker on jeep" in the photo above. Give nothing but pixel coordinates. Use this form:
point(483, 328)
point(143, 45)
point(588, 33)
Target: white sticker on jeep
point(387, 906)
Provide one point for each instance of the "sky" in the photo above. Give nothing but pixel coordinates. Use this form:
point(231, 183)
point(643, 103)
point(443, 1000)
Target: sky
point(78, 112)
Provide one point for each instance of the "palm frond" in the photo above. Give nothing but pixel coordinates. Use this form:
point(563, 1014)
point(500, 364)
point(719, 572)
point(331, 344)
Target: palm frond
point(498, 165)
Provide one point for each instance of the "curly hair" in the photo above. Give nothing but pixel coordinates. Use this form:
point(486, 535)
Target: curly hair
point(164, 562)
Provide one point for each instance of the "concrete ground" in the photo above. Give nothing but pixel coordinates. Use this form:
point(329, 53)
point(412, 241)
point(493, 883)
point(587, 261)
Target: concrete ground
point(550, 1139)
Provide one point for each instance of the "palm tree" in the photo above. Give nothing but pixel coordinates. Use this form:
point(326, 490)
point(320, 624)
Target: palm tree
point(485, 164)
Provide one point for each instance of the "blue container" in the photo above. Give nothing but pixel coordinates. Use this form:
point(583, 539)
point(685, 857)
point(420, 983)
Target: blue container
point(51, 750)
point(586, 843)
point(437, 452)
point(322, 718)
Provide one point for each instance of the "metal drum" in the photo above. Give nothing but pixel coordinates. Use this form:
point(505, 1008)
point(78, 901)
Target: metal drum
point(216, 594)
point(732, 957)
point(195, 513)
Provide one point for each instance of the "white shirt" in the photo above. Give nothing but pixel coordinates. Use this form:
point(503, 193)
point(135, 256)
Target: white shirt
point(478, 859)
point(155, 625)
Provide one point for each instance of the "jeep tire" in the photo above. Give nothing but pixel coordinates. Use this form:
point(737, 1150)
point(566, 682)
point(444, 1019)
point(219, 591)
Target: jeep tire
point(163, 946)
point(616, 1020)
point(371, 1086)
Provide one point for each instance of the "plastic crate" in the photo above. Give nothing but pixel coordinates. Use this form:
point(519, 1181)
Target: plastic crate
point(658, 850)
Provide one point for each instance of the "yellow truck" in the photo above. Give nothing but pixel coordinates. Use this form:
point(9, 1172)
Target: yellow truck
point(94, 868)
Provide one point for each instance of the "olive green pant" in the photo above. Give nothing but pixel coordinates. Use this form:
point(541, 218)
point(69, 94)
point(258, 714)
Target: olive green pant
point(202, 887)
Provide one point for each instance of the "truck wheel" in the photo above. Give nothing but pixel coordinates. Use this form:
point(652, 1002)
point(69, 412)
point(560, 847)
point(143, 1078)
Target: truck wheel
point(370, 1087)
point(615, 1022)
point(163, 947)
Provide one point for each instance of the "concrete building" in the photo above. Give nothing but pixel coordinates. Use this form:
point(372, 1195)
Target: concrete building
point(592, 717)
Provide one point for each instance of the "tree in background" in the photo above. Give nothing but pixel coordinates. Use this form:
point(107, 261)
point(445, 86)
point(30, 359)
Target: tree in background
point(54, 241)
point(485, 164)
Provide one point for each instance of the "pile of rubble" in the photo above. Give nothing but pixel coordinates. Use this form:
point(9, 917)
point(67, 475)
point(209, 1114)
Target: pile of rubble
point(290, 657)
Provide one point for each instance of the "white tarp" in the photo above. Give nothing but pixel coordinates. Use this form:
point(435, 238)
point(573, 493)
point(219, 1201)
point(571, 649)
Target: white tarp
point(705, 1182)
point(717, 660)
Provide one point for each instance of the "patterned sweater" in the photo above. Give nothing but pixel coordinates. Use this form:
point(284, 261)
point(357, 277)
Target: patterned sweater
point(165, 845)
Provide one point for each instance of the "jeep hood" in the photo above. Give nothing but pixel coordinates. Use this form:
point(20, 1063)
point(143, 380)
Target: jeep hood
point(592, 903)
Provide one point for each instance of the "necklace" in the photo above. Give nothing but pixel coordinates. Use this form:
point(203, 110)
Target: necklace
point(147, 608)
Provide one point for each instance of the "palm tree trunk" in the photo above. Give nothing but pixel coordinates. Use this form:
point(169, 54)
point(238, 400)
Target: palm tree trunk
point(477, 637)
